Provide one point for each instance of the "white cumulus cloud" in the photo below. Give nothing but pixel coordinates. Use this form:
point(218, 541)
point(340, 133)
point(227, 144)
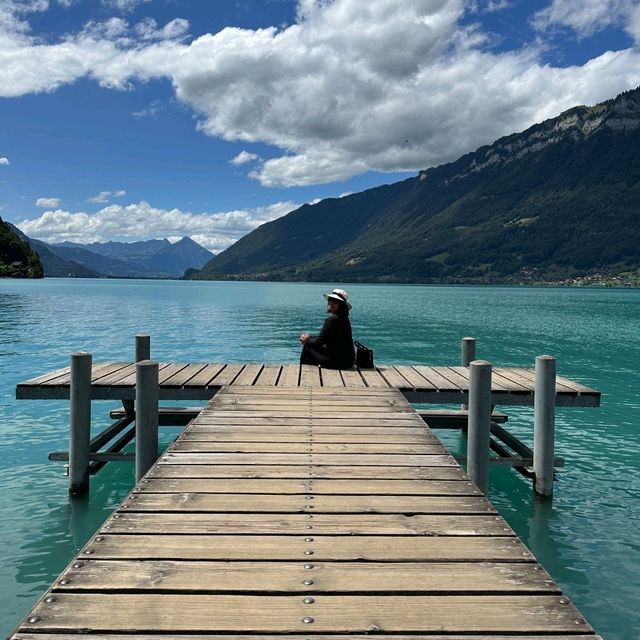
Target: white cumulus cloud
point(48, 203)
point(141, 221)
point(586, 17)
point(104, 196)
point(351, 86)
point(4, 161)
point(242, 158)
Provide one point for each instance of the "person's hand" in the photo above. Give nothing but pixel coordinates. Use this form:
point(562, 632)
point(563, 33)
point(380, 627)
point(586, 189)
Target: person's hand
point(304, 338)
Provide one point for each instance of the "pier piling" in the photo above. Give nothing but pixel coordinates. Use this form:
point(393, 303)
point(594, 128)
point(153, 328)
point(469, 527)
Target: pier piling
point(79, 422)
point(146, 403)
point(479, 423)
point(143, 347)
point(544, 424)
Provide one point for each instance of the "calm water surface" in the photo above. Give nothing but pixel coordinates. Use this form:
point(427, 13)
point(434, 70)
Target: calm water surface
point(587, 539)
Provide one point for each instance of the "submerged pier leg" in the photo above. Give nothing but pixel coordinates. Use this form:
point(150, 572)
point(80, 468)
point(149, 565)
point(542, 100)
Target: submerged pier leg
point(479, 423)
point(147, 393)
point(79, 422)
point(467, 355)
point(544, 419)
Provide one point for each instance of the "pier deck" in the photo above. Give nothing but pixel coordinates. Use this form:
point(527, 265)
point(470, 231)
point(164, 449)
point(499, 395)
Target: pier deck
point(311, 511)
point(201, 381)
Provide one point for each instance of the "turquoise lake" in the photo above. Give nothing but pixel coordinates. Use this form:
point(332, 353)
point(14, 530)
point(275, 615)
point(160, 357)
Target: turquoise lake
point(588, 538)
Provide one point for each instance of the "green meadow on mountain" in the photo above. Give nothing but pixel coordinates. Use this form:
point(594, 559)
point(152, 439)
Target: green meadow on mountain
point(557, 201)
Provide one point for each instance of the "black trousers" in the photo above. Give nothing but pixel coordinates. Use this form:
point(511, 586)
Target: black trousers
point(314, 354)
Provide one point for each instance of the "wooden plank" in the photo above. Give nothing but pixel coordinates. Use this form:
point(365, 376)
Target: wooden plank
point(393, 378)
point(414, 379)
point(322, 636)
point(325, 548)
point(290, 375)
point(331, 378)
point(129, 380)
point(330, 459)
point(328, 613)
point(171, 370)
point(299, 433)
point(309, 375)
point(460, 375)
point(178, 576)
point(373, 379)
point(182, 377)
point(205, 376)
point(227, 375)
point(45, 377)
point(440, 378)
point(440, 468)
point(269, 375)
point(352, 378)
point(298, 503)
point(114, 376)
point(248, 375)
point(319, 487)
point(334, 524)
point(512, 382)
point(199, 446)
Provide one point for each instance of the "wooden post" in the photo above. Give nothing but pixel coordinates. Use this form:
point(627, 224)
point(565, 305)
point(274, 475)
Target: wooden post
point(544, 419)
point(467, 351)
point(143, 352)
point(147, 392)
point(143, 347)
point(79, 422)
point(467, 355)
point(479, 423)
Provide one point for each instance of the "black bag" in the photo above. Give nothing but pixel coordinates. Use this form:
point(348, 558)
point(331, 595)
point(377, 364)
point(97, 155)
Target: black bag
point(364, 356)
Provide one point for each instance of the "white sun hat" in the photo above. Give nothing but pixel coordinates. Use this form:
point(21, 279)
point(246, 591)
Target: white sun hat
point(338, 294)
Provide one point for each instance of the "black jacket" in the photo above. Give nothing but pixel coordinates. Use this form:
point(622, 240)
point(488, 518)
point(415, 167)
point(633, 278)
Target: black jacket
point(336, 337)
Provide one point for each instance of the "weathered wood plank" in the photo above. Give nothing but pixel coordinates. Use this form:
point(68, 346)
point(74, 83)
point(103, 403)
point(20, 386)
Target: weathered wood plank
point(205, 376)
point(228, 374)
point(248, 375)
point(319, 487)
point(435, 380)
point(298, 503)
point(309, 375)
point(373, 379)
point(189, 445)
point(393, 378)
point(290, 375)
point(300, 433)
point(354, 636)
point(176, 576)
point(269, 375)
point(331, 378)
point(352, 378)
point(329, 459)
point(397, 548)
point(182, 377)
point(194, 613)
point(351, 636)
point(335, 524)
point(439, 469)
point(444, 468)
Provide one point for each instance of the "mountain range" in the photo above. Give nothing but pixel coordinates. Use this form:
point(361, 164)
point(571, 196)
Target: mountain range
point(559, 200)
point(145, 259)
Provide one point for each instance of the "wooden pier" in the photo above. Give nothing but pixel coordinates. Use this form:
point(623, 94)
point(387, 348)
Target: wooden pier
point(308, 507)
point(201, 381)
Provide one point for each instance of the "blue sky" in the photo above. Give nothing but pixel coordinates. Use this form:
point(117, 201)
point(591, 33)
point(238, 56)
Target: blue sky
point(138, 119)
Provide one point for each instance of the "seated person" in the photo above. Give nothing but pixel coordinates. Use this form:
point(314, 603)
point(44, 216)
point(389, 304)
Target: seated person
point(333, 347)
